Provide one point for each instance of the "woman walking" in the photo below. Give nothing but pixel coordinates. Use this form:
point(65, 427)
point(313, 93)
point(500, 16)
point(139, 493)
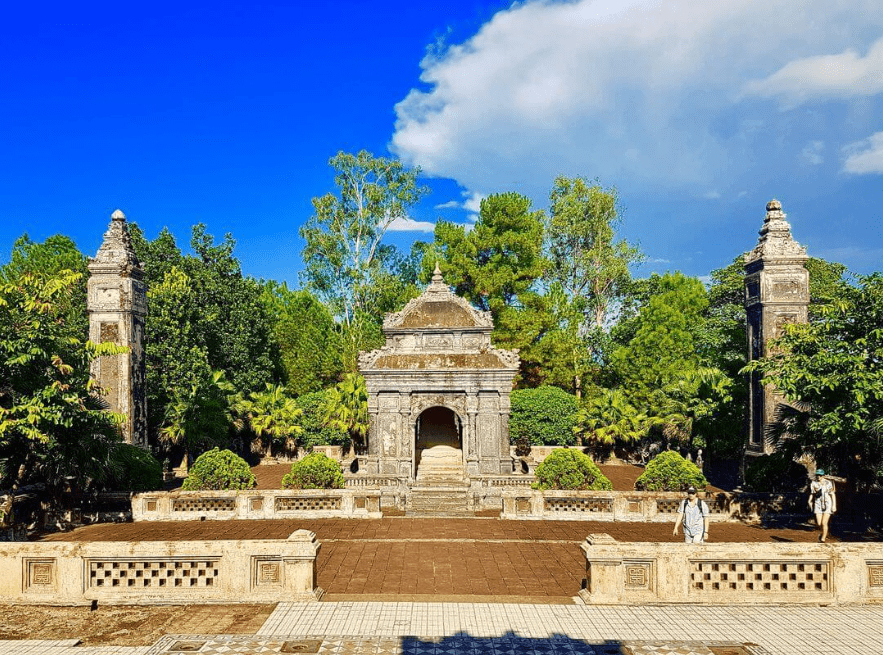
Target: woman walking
point(822, 502)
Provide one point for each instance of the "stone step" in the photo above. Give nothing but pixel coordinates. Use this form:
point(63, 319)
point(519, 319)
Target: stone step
point(438, 502)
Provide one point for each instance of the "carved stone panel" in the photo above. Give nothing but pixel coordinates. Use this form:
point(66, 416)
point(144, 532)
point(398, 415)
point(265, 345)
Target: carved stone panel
point(40, 575)
point(488, 435)
point(387, 424)
point(267, 572)
point(638, 575)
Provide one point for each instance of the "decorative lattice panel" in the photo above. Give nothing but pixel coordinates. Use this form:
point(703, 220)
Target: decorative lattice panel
point(579, 505)
point(875, 575)
point(668, 505)
point(760, 576)
point(204, 505)
point(302, 504)
point(151, 574)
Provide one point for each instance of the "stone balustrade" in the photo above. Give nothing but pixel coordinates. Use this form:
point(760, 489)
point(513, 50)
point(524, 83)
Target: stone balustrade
point(731, 573)
point(645, 506)
point(254, 504)
point(160, 572)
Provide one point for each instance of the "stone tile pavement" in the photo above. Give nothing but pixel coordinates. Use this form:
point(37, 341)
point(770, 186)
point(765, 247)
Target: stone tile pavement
point(348, 628)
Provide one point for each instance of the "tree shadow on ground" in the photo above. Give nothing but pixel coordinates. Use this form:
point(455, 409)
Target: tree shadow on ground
point(509, 643)
point(512, 644)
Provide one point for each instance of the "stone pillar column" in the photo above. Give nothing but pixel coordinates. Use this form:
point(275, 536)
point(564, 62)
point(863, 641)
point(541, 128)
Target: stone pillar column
point(776, 293)
point(117, 306)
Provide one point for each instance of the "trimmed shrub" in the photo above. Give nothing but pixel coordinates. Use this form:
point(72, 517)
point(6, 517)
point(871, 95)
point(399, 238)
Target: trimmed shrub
point(315, 432)
point(133, 469)
point(544, 416)
point(315, 471)
point(568, 468)
point(776, 472)
point(219, 469)
point(668, 471)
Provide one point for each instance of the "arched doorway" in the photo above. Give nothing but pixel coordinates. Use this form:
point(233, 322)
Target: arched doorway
point(438, 434)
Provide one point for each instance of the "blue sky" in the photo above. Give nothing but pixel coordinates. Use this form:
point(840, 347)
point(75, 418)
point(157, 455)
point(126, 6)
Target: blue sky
point(227, 113)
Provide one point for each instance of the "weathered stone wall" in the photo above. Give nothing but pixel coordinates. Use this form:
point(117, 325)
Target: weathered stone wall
point(160, 572)
point(652, 573)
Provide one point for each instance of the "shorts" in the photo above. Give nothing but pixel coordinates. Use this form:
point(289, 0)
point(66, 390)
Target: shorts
point(694, 539)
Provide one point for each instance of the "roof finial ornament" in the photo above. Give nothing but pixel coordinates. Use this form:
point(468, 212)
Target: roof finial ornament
point(118, 215)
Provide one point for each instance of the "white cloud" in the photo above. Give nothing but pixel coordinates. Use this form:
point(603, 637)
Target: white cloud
point(471, 203)
point(812, 152)
point(404, 224)
point(637, 92)
point(844, 75)
point(713, 194)
point(865, 156)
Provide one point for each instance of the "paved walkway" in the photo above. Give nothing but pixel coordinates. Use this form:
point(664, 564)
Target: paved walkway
point(345, 628)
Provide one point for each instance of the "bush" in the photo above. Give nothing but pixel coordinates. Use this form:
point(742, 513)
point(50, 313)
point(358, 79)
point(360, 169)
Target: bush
point(315, 471)
point(133, 469)
point(568, 468)
point(668, 471)
point(776, 472)
point(315, 432)
point(544, 416)
point(219, 469)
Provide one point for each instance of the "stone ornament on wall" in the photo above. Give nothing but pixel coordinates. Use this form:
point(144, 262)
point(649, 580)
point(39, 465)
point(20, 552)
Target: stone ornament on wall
point(267, 572)
point(40, 575)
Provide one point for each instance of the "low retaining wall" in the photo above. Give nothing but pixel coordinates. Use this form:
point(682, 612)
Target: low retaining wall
point(270, 504)
point(645, 506)
point(160, 572)
point(738, 573)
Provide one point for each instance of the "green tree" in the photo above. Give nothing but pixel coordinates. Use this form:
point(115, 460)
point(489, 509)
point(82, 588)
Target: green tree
point(307, 337)
point(668, 471)
point(199, 416)
point(273, 415)
point(589, 264)
point(219, 470)
point(831, 370)
point(608, 418)
point(204, 316)
point(53, 425)
point(345, 263)
point(568, 468)
point(315, 471)
point(316, 432)
point(57, 253)
point(660, 368)
point(497, 265)
point(542, 416)
point(346, 407)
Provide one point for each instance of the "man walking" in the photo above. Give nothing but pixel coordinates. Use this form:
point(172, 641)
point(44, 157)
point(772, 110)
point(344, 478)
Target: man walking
point(693, 515)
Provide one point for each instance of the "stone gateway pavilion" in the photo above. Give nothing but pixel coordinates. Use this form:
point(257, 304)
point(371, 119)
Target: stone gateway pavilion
point(438, 392)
